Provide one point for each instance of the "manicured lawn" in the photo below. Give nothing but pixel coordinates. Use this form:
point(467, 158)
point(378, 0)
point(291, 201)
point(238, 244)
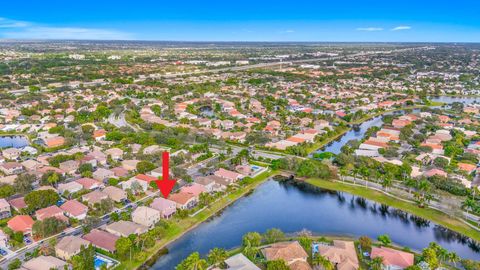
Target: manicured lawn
point(426, 213)
point(181, 226)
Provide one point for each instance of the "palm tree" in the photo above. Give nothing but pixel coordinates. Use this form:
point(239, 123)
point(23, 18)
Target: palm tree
point(453, 258)
point(410, 183)
point(250, 251)
point(193, 262)
point(322, 261)
point(469, 204)
point(387, 181)
point(376, 263)
point(217, 256)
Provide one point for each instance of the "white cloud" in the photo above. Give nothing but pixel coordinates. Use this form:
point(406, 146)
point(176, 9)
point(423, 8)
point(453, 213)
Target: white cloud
point(402, 27)
point(39, 32)
point(27, 30)
point(370, 29)
point(7, 23)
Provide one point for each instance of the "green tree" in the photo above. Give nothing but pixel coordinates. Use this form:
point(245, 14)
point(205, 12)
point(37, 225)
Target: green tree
point(277, 265)
point(365, 243)
point(193, 262)
point(124, 247)
point(252, 238)
point(48, 227)
point(85, 259)
point(273, 235)
point(15, 264)
point(23, 183)
point(384, 239)
point(6, 190)
point(145, 166)
point(40, 199)
point(217, 257)
point(319, 260)
point(376, 263)
point(429, 255)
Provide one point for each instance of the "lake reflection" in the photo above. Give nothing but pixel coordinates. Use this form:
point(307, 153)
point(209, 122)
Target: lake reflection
point(294, 207)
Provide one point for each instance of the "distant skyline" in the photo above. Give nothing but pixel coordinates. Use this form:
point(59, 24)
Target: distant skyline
point(311, 21)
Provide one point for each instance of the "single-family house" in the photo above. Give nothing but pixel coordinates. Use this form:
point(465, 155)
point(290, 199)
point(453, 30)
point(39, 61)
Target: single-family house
point(70, 246)
point(75, 209)
point(393, 259)
point(146, 216)
point(51, 212)
point(21, 223)
point(124, 228)
point(184, 200)
point(44, 263)
point(166, 207)
point(102, 239)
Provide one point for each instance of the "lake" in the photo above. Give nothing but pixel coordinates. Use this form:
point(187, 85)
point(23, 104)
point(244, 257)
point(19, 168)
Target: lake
point(451, 99)
point(293, 208)
point(13, 141)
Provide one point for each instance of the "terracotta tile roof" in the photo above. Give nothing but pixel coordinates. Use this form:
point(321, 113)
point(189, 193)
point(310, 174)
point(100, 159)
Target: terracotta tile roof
point(49, 212)
point(287, 251)
point(74, 208)
point(21, 223)
point(181, 197)
point(102, 239)
point(393, 257)
point(145, 178)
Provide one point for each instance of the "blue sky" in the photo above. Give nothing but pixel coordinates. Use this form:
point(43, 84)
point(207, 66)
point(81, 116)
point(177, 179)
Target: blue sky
point(245, 20)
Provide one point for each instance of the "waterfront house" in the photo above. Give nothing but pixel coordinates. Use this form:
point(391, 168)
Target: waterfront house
point(229, 175)
point(146, 216)
point(183, 200)
point(240, 262)
point(341, 253)
point(290, 252)
point(166, 207)
point(393, 259)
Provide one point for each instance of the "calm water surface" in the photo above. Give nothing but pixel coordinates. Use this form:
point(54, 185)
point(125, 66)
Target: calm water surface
point(292, 208)
point(13, 141)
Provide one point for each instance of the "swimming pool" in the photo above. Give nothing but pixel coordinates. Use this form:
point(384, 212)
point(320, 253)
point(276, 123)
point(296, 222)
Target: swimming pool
point(102, 260)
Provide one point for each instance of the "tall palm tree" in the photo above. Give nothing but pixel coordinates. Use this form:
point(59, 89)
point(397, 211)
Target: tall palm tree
point(323, 262)
point(469, 204)
point(217, 256)
point(453, 258)
point(387, 181)
point(376, 263)
point(250, 251)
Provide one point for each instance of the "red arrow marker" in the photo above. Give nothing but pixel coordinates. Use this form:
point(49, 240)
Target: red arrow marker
point(165, 185)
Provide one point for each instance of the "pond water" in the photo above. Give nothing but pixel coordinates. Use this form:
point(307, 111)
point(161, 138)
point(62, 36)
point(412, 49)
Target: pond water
point(13, 141)
point(293, 208)
point(451, 99)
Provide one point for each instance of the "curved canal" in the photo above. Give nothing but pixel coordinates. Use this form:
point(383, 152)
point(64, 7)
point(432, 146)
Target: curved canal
point(293, 208)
